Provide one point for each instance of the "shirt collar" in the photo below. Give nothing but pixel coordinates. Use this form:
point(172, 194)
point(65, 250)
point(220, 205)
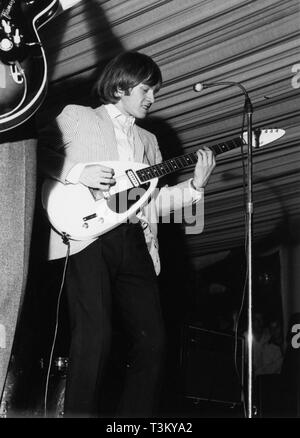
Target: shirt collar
point(116, 114)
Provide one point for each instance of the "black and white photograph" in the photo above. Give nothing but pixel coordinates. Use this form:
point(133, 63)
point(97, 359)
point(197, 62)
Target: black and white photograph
point(149, 212)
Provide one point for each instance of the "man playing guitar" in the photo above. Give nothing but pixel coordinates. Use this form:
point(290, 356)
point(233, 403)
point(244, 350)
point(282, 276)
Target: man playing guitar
point(119, 267)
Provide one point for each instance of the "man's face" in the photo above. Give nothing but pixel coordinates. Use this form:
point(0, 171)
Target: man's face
point(138, 102)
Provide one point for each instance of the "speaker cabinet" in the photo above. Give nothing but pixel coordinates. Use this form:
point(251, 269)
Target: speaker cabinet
point(212, 365)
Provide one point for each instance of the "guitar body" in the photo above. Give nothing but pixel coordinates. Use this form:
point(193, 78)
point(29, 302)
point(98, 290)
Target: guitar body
point(83, 213)
point(23, 67)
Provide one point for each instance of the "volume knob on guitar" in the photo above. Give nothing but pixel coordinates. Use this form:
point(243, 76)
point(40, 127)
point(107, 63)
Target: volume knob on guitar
point(6, 45)
point(12, 46)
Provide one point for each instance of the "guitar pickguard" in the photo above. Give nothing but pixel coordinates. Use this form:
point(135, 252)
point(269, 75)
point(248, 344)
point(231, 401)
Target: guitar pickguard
point(84, 213)
point(124, 200)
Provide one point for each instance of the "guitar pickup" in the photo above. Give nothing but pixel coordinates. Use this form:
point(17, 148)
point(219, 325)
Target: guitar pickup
point(88, 218)
point(133, 179)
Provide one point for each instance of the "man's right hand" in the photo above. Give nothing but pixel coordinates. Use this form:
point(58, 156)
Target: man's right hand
point(97, 176)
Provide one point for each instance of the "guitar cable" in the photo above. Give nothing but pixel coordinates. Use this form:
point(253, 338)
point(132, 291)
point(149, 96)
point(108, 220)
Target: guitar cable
point(21, 71)
point(66, 240)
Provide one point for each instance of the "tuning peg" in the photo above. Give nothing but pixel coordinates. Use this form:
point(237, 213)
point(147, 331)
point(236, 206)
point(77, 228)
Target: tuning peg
point(6, 27)
point(17, 37)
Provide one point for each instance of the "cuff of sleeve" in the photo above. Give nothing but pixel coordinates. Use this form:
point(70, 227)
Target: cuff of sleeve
point(74, 174)
point(196, 193)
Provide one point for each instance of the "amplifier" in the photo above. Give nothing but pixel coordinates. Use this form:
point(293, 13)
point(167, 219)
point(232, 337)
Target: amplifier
point(212, 364)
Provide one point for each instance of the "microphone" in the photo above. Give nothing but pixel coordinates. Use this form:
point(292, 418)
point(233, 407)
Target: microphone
point(199, 86)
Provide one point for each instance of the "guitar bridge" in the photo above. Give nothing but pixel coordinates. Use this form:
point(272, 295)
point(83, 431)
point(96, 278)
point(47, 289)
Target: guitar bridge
point(16, 73)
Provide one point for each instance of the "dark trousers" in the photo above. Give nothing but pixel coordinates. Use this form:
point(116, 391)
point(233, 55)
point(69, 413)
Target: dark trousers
point(116, 268)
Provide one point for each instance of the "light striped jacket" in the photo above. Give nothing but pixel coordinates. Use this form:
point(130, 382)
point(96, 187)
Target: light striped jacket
point(82, 134)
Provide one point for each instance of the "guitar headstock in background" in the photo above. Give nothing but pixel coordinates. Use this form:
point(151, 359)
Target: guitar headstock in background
point(262, 137)
point(66, 4)
point(23, 64)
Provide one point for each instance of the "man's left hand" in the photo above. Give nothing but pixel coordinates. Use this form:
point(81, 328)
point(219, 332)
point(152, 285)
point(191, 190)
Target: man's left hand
point(204, 167)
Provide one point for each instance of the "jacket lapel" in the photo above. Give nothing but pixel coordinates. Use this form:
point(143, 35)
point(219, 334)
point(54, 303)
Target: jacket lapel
point(139, 149)
point(108, 134)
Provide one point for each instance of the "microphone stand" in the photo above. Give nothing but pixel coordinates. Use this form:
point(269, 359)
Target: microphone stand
point(249, 213)
point(248, 109)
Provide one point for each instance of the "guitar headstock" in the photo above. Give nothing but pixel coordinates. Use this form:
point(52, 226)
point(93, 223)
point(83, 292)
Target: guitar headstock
point(262, 137)
point(12, 41)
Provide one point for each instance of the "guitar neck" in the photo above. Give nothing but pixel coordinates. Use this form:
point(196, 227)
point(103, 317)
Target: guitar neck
point(178, 163)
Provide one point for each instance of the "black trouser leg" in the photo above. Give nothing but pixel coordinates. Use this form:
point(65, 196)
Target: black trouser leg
point(88, 290)
point(118, 262)
point(137, 296)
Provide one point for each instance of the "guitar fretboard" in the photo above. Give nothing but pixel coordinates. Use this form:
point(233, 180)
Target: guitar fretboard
point(177, 163)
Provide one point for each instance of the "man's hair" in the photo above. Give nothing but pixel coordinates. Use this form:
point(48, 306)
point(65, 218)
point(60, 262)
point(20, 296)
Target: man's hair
point(124, 72)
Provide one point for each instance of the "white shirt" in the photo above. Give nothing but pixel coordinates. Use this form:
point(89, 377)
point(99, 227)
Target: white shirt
point(123, 126)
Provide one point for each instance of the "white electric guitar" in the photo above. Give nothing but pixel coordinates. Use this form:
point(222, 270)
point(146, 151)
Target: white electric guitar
point(82, 213)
